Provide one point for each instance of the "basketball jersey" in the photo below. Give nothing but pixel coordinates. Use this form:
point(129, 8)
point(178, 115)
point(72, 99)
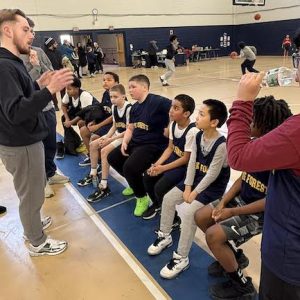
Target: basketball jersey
point(254, 186)
point(106, 102)
point(281, 230)
point(149, 119)
point(121, 121)
point(178, 152)
point(217, 188)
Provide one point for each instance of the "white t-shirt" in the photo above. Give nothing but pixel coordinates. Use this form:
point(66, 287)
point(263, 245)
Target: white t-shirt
point(189, 136)
point(86, 99)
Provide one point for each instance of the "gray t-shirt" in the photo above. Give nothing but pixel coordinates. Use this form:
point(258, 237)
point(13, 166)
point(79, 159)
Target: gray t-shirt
point(248, 53)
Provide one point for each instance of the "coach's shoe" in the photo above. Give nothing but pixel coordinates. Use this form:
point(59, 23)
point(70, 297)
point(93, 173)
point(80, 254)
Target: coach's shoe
point(151, 212)
point(141, 206)
point(128, 191)
point(58, 179)
point(176, 265)
point(85, 181)
point(49, 247)
point(48, 191)
point(216, 270)
point(232, 289)
point(162, 242)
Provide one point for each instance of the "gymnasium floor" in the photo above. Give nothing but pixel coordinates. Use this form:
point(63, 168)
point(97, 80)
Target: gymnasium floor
point(97, 264)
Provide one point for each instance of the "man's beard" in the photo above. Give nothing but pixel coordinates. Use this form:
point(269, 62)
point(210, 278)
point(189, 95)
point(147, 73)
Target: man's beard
point(21, 50)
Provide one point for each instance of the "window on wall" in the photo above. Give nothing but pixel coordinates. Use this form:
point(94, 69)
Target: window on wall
point(67, 37)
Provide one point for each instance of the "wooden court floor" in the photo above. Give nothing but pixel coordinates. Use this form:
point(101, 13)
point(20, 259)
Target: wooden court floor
point(97, 265)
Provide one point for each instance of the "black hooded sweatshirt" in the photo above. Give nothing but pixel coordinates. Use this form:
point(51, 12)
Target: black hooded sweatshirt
point(22, 122)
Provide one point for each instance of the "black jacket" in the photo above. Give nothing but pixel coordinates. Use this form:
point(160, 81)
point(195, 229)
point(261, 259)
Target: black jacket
point(22, 122)
point(55, 57)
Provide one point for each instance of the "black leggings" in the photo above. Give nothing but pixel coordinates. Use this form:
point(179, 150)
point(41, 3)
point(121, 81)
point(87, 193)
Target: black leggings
point(132, 167)
point(158, 186)
point(248, 64)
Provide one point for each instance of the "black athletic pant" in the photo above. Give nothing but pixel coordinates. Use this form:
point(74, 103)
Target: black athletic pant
point(157, 186)
point(273, 288)
point(248, 64)
point(133, 166)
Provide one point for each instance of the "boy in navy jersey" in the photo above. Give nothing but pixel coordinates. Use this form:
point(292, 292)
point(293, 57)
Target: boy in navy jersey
point(279, 151)
point(238, 216)
point(206, 180)
point(170, 168)
point(144, 139)
point(107, 143)
point(92, 131)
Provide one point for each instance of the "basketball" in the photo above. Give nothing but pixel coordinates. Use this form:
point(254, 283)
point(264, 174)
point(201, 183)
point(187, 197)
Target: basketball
point(257, 17)
point(233, 54)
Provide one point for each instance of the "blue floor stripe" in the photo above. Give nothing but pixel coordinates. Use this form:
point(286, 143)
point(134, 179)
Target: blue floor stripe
point(137, 234)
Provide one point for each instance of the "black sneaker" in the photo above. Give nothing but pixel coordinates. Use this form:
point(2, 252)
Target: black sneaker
point(233, 290)
point(85, 181)
point(216, 270)
point(2, 210)
point(60, 150)
point(85, 162)
point(151, 212)
point(99, 194)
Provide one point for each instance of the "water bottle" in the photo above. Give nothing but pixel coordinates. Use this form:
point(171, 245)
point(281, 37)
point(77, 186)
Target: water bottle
point(279, 77)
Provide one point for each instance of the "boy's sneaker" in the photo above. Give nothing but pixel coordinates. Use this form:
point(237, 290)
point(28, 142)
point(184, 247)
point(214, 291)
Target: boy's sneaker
point(161, 80)
point(49, 247)
point(176, 265)
point(151, 212)
point(46, 222)
point(141, 206)
point(232, 289)
point(162, 242)
point(2, 210)
point(99, 194)
point(85, 162)
point(216, 270)
point(60, 150)
point(127, 191)
point(58, 179)
point(85, 181)
point(81, 148)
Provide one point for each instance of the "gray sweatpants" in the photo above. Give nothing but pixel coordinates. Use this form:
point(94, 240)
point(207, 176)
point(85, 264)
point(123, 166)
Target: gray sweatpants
point(170, 66)
point(27, 166)
point(188, 225)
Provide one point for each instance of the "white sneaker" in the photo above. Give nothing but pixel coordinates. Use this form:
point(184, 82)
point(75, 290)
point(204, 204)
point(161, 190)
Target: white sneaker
point(49, 247)
point(162, 242)
point(176, 265)
point(58, 179)
point(48, 191)
point(46, 222)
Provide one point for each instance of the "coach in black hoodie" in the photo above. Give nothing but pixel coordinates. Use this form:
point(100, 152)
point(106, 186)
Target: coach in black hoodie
point(23, 126)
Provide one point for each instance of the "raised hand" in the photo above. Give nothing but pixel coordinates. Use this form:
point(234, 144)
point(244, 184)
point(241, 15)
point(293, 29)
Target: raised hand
point(59, 80)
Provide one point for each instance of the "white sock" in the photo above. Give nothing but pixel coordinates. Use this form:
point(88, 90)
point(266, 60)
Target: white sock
point(103, 182)
point(93, 172)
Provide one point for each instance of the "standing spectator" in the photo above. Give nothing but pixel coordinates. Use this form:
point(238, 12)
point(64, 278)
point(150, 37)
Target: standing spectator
point(36, 64)
point(170, 60)
point(56, 60)
point(23, 127)
point(152, 49)
point(75, 61)
point(82, 59)
point(99, 57)
point(286, 45)
point(66, 49)
point(91, 58)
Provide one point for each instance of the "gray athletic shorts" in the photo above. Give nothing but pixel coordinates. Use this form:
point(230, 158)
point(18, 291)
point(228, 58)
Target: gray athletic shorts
point(240, 228)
